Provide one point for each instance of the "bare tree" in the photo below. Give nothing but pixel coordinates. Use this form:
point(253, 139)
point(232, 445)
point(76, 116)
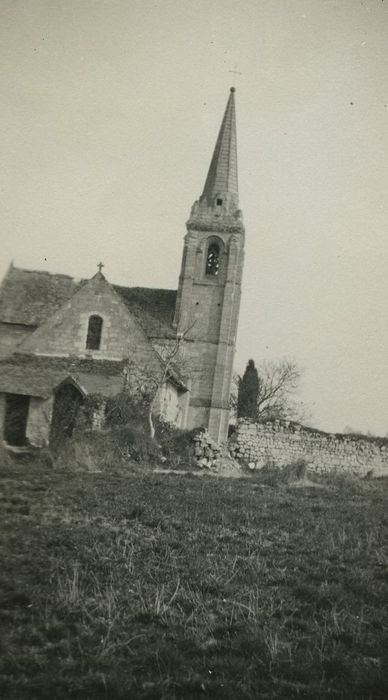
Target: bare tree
point(168, 357)
point(170, 363)
point(278, 382)
point(276, 396)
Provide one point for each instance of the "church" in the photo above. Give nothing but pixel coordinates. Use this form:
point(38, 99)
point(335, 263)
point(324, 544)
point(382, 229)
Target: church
point(63, 339)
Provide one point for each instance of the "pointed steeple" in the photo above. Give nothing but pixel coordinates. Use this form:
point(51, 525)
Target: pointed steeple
point(222, 175)
point(218, 203)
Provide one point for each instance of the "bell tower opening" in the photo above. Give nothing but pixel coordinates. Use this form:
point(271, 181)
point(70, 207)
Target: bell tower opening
point(213, 260)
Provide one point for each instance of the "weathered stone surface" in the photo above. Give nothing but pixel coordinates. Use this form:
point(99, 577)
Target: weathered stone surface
point(214, 457)
point(282, 443)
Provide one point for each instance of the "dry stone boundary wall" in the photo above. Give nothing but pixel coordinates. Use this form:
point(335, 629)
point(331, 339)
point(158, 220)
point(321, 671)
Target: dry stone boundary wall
point(213, 457)
point(281, 442)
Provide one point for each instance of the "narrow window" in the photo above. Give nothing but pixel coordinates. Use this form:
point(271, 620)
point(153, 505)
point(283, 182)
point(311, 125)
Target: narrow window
point(219, 201)
point(93, 339)
point(213, 259)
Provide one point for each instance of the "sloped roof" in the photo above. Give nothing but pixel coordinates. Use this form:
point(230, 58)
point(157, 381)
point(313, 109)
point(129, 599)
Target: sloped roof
point(36, 375)
point(29, 297)
point(39, 376)
point(153, 308)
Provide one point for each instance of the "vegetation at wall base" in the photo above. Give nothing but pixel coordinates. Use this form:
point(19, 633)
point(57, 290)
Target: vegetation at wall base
point(113, 450)
point(295, 472)
point(156, 586)
point(124, 409)
point(177, 446)
point(122, 447)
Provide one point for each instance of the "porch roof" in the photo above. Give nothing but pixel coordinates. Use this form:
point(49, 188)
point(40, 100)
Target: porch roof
point(39, 377)
point(33, 375)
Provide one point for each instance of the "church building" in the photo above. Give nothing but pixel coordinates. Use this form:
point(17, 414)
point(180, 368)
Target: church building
point(63, 339)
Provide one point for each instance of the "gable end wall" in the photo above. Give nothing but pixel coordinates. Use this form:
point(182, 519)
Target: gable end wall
point(64, 333)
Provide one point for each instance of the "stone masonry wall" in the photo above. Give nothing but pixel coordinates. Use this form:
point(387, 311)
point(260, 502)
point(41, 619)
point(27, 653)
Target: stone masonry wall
point(280, 443)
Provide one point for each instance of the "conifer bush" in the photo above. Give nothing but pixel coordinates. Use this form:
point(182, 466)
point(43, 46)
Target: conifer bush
point(248, 391)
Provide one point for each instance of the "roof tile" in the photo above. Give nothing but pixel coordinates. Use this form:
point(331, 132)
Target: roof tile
point(29, 297)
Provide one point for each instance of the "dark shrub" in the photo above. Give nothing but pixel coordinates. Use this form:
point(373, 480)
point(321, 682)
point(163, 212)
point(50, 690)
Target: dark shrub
point(177, 445)
point(130, 442)
point(122, 409)
point(109, 450)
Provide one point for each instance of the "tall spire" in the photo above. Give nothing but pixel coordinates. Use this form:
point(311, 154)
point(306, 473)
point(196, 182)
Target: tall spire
point(217, 208)
point(222, 175)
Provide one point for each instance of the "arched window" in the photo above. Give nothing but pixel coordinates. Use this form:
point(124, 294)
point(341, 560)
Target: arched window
point(213, 259)
point(93, 338)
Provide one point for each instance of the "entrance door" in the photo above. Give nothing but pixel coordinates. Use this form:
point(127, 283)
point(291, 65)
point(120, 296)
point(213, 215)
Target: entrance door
point(15, 422)
point(67, 403)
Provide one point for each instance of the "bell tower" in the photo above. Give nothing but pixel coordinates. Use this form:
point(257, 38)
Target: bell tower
point(208, 299)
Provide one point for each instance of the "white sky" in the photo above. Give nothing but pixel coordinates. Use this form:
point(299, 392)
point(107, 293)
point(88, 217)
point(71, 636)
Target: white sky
point(110, 111)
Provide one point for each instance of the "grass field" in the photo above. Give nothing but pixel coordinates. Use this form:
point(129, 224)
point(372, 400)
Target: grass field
point(166, 586)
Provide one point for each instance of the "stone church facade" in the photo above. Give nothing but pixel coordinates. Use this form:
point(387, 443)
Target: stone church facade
point(63, 339)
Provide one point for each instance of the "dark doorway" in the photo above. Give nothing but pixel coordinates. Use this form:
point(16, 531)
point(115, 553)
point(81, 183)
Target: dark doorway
point(15, 422)
point(66, 407)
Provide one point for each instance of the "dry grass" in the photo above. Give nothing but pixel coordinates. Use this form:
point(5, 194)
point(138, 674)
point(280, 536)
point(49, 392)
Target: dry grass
point(145, 586)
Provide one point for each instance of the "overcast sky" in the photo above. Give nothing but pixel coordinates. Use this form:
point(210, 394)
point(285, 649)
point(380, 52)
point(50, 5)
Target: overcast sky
point(110, 111)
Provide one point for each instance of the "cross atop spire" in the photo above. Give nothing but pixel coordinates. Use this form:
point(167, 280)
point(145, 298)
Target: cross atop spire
point(100, 266)
point(222, 175)
point(235, 71)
